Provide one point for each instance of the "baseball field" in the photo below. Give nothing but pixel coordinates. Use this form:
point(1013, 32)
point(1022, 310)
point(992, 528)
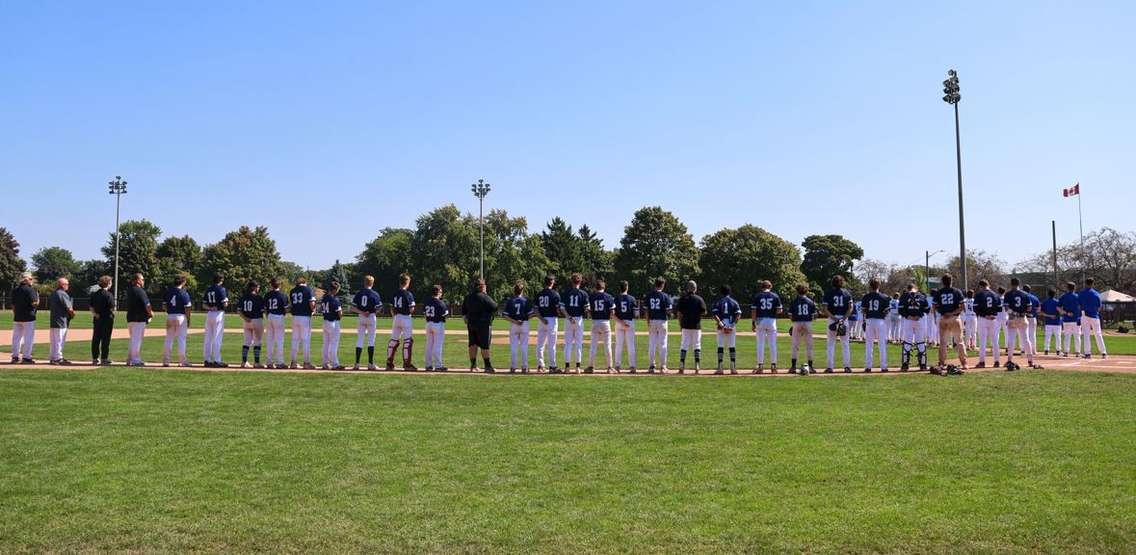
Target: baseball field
point(168, 460)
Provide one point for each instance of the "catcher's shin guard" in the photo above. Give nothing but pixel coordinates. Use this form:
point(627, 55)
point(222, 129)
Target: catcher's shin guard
point(392, 346)
point(922, 354)
point(407, 349)
point(907, 353)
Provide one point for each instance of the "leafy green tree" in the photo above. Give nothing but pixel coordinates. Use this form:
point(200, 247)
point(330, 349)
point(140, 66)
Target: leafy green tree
point(86, 279)
point(596, 261)
point(655, 244)
point(242, 255)
point(571, 251)
point(138, 251)
point(827, 256)
point(979, 265)
point(742, 257)
point(443, 251)
point(11, 265)
point(179, 256)
point(52, 263)
point(385, 257)
point(511, 254)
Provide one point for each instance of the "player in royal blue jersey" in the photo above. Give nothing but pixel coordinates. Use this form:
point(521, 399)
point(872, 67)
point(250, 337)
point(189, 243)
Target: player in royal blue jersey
point(216, 298)
point(949, 305)
point(802, 311)
point(517, 310)
point(1090, 319)
point(838, 305)
point(1018, 302)
point(302, 303)
point(332, 311)
point(435, 311)
point(727, 312)
point(1051, 313)
point(575, 307)
point(764, 308)
point(402, 326)
point(1070, 304)
point(658, 306)
point(1031, 317)
point(366, 304)
point(876, 306)
point(251, 307)
point(987, 305)
point(625, 309)
point(601, 306)
point(178, 310)
point(913, 307)
point(548, 308)
point(276, 306)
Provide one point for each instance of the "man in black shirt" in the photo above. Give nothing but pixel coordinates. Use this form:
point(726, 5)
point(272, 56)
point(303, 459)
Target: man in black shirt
point(138, 314)
point(102, 313)
point(477, 311)
point(690, 309)
point(25, 300)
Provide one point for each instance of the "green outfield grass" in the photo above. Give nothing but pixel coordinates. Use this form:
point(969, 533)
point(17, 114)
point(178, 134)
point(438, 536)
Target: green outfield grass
point(135, 460)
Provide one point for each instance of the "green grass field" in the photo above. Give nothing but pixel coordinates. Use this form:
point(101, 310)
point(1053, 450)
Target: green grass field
point(125, 459)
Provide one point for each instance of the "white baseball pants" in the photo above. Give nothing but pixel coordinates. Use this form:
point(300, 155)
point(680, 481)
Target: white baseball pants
point(657, 343)
point(176, 331)
point(727, 337)
point(988, 336)
point(1072, 333)
point(137, 332)
point(402, 327)
point(970, 330)
point(1031, 331)
point(767, 335)
point(519, 345)
point(302, 337)
point(876, 335)
point(573, 340)
point(331, 343)
point(214, 333)
point(546, 332)
point(833, 339)
point(366, 330)
point(274, 339)
point(435, 337)
point(601, 338)
point(23, 338)
point(58, 336)
point(1053, 331)
point(1017, 331)
point(691, 340)
point(803, 333)
point(625, 341)
point(1091, 327)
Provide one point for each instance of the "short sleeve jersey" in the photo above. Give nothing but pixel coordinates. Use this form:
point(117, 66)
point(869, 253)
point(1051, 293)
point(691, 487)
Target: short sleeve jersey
point(435, 310)
point(136, 303)
point(626, 306)
point(1071, 304)
point(252, 306)
point(275, 302)
point(948, 300)
point(601, 304)
point(177, 299)
point(548, 303)
point(24, 297)
point(767, 303)
point(1050, 310)
point(367, 301)
point(802, 309)
point(691, 308)
point(837, 301)
point(1090, 302)
point(518, 308)
point(215, 297)
point(913, 304)
point(1018, 301)
point(575, 302)
point(875, 304)
point(659, 305)
point(987, 303)
point(402, 302)
point(300, 299)
point(330, 307)
point(728, 310)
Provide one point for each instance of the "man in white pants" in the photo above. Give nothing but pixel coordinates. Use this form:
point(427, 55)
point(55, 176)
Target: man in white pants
point(25, 301)
point(913, 306)
point(1031, 317)
point(138, 314)
point(179, 308)
point(837, 303)
point(690, 308)
point(895, 334)
point(435, 311)
point(727, 312)
point(366, 304)
point(332, 311)
point(302, 303)
point(575, 308)
point(275, 306)
point(764, 308)
point(517, 310)
point(216, 298)
point(1071, 319)
point(402, 325)
point(658, 306)
point(1051, 314)
point(601, 306)
point(548, 309)
point(1019, 305)
point(987, 305)
point(625, 309)
point(875, 306)
point(969, 322)
point(1002, 318)
point(62, 310)
point(931, 320)
point(1090, 319)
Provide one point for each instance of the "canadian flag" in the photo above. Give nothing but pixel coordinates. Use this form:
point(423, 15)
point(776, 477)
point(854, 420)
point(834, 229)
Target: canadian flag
point(1072, 191)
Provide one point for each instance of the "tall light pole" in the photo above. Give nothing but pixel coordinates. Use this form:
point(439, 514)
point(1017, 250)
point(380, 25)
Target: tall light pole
point(116, 188)
point(927, 266)
point(951, 96)
point(480, 189)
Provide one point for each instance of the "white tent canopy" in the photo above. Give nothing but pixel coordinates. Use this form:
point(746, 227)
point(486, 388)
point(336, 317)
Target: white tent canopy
point(1114, 296)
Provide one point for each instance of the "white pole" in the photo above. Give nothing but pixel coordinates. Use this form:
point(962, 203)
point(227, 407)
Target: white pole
point(1081, 226)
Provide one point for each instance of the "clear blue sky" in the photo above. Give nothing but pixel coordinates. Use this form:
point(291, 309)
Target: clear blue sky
point(331, 120)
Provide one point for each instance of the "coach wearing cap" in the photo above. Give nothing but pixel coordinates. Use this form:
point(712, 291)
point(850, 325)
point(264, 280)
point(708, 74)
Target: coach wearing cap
point(478, 309)
point(25, 300)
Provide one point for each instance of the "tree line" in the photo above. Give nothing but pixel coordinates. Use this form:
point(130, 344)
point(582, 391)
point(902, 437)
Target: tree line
point(442, 248)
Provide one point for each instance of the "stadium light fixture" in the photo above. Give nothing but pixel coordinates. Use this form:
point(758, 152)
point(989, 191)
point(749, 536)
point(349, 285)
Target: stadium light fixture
point(116, 188)
point(480, 189)
point(951, 96)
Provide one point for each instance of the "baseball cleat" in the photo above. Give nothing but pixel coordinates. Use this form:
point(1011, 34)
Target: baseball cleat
point(441, 369)
point(309, 366)
point(15, 360)
point(408, 367)
point(997, 364)
point(257, 365)
point(733, 371)
point(524, 370)
point(339, 367)
point(847, 369)
point(718, 372)
point(165, 364)
point(867, 370)
point(589, 370)
point(372, 367)
point(390, 366)
point(980, 365)
point(828, 370)
point(186, 364)
point(512, 370)
point(325, 366)
point(244, 364)
point(883, 370)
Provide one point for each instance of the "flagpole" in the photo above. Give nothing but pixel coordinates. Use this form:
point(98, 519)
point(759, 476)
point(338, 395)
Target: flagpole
point(1081, 227)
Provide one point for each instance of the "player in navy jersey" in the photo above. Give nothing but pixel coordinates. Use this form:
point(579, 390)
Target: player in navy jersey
point(876, 307)
point(178, 310)
point(548, 308)
point(1031, 317)
point(913, 307)
point(1070, 305)
point(727, 312)
point(601, 306)
point(1051, 313)
point(1018, 302)
point(575, 308)
point(251, 307)
point(838, 306)
point(802, 311)
point(216, 298)
point(435, 310)
point(658, 306)
point(1090, 319)
point(625, 309)
point(1002, 318)
point(949, 304)
point(987, 305)
point(517, 310)
point(332, 311)
point(302, 303)
point(366, 304)
point(764, 308)
point(402, 326)
point(276, 306)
